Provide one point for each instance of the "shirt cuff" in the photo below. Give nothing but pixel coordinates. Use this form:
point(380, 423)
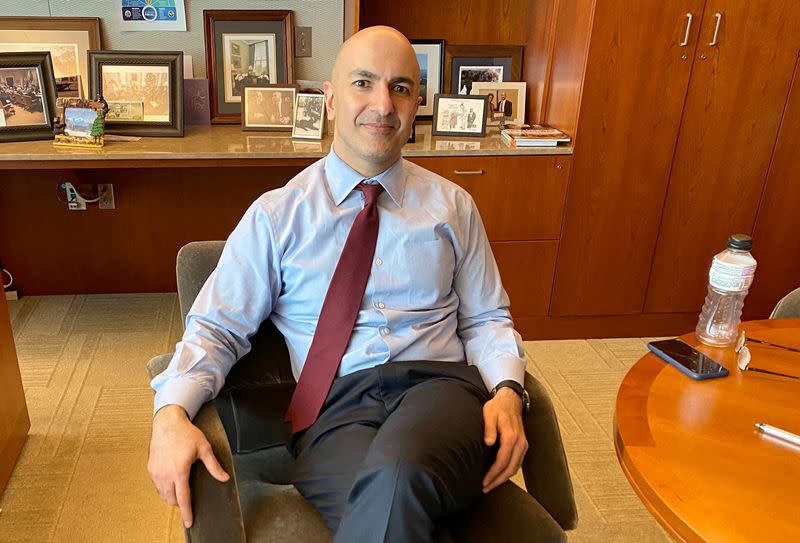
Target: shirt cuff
point(500, 369)
point(187, 393)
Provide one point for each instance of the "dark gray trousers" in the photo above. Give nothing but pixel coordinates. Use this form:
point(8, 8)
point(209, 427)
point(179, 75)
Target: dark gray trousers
point(395, 447)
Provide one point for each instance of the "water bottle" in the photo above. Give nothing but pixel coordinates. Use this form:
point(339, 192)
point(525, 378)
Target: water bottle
point(729, 280)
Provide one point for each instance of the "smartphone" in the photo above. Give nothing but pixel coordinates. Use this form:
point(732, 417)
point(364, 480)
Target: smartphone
point(688, 359)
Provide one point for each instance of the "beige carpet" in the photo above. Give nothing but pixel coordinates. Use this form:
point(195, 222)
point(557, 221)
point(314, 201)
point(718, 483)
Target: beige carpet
point(82, 475)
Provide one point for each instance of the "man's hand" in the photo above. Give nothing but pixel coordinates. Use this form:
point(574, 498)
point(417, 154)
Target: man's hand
point(502, 416)
point(175, 445)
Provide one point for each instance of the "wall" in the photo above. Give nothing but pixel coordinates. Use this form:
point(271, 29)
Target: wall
point(326, 17)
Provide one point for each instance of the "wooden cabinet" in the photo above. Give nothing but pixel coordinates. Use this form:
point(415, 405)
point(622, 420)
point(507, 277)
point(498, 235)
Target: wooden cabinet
point(734, 106)
point(675, 134)
point(633, 93)
point(521, 200)
point(14, 421)
point(519, 197)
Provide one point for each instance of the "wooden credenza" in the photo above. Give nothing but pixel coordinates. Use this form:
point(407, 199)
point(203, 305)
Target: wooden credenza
point(170, 192)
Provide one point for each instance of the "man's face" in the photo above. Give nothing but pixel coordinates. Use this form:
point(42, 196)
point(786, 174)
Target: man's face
point(276, 97)
point(373, 99)
point(502, 96)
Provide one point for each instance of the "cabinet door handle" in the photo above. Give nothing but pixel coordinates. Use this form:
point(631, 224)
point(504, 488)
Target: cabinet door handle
point(713, 41)
point(685, 41)
point(468, 172)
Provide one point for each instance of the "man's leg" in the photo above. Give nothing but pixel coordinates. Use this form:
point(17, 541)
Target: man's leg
point(427, 460)
point(330, 452)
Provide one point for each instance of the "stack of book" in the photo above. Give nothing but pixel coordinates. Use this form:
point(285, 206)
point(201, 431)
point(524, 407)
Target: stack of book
point(536, 136)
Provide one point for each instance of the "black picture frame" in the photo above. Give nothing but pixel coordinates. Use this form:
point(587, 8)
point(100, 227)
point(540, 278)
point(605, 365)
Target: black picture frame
point(172, 60)
point(432, 80)
point(42, 63)
point(449, 119)
point(456, 56)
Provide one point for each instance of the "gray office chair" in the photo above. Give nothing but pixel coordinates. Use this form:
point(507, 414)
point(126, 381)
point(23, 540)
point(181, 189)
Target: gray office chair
point(788, 307)
point(245, 427)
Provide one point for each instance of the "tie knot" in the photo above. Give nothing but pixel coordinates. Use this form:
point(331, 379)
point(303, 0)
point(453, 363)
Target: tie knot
point(371, 192)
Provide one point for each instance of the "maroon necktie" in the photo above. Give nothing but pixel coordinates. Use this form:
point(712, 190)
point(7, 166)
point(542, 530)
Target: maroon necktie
point(338, 314)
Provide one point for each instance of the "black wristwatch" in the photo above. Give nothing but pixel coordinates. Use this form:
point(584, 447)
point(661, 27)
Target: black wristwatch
point(516, 387)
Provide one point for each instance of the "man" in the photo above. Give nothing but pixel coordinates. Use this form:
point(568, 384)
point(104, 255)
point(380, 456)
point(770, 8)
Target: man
point(471, 118)
point(504, 105)
point(407, 430)
point(279, 112)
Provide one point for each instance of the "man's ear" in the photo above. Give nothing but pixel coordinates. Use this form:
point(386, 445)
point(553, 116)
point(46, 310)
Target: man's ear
point(327, 87)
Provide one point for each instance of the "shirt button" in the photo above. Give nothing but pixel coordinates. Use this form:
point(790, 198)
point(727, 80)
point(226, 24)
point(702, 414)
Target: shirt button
point(385, 331)
point(378, 261)
point(381, 305)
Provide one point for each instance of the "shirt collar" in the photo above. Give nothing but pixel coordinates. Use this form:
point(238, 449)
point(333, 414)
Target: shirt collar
point(342, 179)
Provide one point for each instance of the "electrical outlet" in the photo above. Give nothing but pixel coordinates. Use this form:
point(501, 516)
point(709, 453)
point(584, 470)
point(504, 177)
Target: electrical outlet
point(106, 193)
point(302, 41)
point(74, 200)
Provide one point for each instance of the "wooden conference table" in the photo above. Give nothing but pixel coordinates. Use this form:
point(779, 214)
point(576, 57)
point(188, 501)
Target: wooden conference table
point(692, 453)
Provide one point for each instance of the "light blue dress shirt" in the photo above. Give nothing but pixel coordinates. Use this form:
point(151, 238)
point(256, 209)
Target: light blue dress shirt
point(434, 291)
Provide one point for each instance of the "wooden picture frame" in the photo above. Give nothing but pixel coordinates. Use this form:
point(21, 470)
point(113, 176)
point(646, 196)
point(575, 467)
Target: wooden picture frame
point(139, 77)
point(431, 73)
point(67, 38)
point(228, 64)
point(455, 56)
point(309, 116)
point(268, 108)
point(459, 115)
point(28, 104)
point(517, 90)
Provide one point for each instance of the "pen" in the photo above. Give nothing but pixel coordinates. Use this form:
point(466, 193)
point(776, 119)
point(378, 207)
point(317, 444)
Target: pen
point(777, 432)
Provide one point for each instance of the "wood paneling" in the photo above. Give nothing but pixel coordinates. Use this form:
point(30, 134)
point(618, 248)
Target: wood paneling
point(526, 268)
point(776, 236)
point(564, 82)
point(519, 198)
point(52, 250)
point(535, 62)
point(730, 123)
point(629, 119)
point(476, 22)
point(14, 421)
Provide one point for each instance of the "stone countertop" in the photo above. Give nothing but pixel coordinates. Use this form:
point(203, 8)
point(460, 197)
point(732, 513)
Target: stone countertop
point(224, 142)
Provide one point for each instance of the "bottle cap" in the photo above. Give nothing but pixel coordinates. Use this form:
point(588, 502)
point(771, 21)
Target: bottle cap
point(742, 242)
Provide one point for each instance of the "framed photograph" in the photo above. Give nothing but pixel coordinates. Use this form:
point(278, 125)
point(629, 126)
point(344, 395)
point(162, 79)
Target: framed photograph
point(456, 57)
point(246, 48)
point(143, 90)
point(68, 39)
point(467, 75)
point(459, 115)
point(506, 100)
point(269, 108)
point(27, 96)
point(430, 55)
point(309, 117)
point(79, 123)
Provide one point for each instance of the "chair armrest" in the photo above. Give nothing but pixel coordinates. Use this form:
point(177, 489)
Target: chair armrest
point(216, 508)
point(544, 467)
point(158, 364)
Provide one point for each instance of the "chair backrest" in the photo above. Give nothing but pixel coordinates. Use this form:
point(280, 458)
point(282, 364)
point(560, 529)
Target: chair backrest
point(251, 421)
point(195, 262)
point(788, 307)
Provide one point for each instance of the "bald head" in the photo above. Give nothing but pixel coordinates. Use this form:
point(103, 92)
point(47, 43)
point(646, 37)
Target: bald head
point(372, 98)
point(374, 38)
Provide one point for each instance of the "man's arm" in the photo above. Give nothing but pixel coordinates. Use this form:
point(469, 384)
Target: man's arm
point(492, 345)
point(236, 298)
